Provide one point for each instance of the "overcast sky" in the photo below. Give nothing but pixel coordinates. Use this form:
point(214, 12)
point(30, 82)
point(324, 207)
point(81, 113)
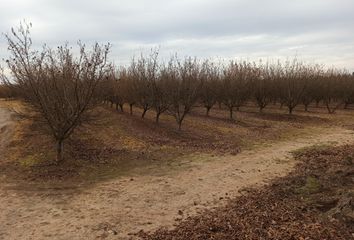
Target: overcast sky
point(320, 31)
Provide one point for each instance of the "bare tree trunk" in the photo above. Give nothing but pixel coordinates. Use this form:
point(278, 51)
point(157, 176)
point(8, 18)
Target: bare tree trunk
point(290, 110)
point(231, 113)
point(306, 107)
point(131, 109)
point(60, 146)
point(261, 108)
point(330, 111)
point(157, 117)
point(144, 112)
point(207, 111)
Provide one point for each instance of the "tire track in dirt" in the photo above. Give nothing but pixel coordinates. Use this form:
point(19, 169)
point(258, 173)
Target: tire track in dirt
point(116, 208)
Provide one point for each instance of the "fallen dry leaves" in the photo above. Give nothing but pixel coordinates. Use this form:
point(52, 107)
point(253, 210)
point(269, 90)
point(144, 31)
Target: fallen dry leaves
point(316, 201)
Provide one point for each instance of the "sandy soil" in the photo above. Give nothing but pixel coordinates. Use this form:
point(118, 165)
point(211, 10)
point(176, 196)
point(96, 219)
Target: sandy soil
point(118, 208)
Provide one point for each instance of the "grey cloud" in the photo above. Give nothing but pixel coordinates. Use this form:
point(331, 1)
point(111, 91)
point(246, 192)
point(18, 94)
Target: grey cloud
point(317, 30)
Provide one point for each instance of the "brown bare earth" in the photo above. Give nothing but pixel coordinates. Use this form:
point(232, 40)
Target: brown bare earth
point(315, 201)
point(5, 128)
point(125, 174)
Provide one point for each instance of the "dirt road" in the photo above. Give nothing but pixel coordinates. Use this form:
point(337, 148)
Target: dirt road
point(116, 208)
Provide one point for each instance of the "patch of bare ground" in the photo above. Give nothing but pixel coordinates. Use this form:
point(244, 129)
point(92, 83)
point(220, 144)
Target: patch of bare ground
point(119, 142)
point(315, 201)
point(125, 174)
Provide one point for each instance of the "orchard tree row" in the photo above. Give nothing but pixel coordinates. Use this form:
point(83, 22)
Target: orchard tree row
point(62, 86)
point(178, 85)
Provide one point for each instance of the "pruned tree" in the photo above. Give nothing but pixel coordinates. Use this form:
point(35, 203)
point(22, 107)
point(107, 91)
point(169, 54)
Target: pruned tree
point(185, 83)
point(143, 73)
point(263, 85)
point(113, 89)
point(161, 89)
point(292, 82)
point(334, 89)
point(308, 96)
point(348, 97)
point(235, 85)
point(127, 88)
point(60, 87)
point(312, 91)
point(210, 75)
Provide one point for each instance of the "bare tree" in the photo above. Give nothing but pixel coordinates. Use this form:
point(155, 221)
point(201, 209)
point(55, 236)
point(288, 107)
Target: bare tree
point(210, 74)
point(185, 84)
point(334, 88)
point(113, 90)
point(313, 90)
point(143, 73)
point(60, 87)
point(236, 85)
point(263, 85)
point(161, 90)
point(348, 97)
point(292, 81)
point(127, 88)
